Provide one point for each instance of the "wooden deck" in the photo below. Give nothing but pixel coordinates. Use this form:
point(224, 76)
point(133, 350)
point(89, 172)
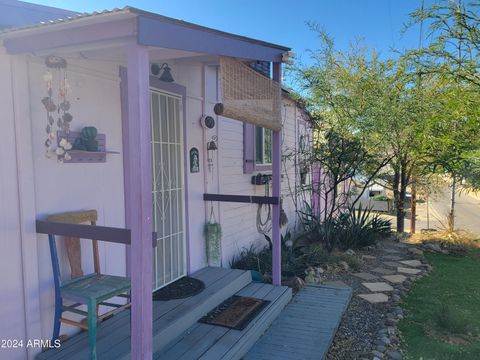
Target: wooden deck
point(208, 342)
point(171, 319)
point(306, 327)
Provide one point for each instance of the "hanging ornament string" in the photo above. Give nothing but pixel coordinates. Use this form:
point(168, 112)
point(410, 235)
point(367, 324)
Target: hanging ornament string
point(57, 67)
point(212, 218)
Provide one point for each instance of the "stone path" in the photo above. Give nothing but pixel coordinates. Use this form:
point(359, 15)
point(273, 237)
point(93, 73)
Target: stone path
point(393, 276)
point(365, 276)
point(368, 330)
point(395, 279)
point(378, 286)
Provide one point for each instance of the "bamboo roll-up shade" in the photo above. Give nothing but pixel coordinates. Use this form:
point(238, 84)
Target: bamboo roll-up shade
point(248, 95)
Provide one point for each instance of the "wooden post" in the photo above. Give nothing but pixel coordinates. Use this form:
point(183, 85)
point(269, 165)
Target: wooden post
point(139, 202)
point(276, 185)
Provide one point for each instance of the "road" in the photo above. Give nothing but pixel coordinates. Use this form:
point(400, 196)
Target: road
point(467, 213)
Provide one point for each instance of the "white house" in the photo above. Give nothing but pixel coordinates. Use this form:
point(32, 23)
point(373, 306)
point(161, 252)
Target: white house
point(159, 152)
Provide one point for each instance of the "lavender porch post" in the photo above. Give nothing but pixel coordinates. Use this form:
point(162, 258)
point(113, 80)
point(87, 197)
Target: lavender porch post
point(139, 201)
point(276, 174)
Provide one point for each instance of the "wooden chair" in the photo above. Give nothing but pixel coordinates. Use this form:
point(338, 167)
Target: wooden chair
point(91, 290)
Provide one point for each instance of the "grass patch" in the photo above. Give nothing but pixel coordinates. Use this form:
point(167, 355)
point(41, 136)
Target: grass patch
point(443, 319)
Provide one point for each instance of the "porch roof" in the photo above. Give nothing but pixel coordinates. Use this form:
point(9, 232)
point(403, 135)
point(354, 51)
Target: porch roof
point(150, 29)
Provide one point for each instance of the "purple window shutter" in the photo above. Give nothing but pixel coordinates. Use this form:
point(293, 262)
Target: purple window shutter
point(248, 148)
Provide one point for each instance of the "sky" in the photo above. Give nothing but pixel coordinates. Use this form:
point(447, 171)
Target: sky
point(378, 23)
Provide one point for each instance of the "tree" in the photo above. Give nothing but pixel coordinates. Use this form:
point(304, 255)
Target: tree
point(452, 142)
point(369, 114)
point(454, 50)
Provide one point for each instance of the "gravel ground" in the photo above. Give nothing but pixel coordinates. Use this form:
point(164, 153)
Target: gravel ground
point(368, 331)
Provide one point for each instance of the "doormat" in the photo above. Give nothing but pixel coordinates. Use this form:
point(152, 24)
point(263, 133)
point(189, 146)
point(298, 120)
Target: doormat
point(235, 313)
point(180, 289)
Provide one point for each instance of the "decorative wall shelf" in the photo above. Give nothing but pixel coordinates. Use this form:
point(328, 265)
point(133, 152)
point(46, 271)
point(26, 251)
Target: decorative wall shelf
point(83, 156)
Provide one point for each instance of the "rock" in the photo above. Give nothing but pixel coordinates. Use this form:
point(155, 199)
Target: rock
point(319, 271)
point(391, 322)
point(415, 251)
point(344, 265)
point(377, 354)
point(391, 330)
point(394, 355)
point(432, 247)
point(350, 252)
point(381, 348)
point(295, 283)
point(385, 340)
point(382, 332)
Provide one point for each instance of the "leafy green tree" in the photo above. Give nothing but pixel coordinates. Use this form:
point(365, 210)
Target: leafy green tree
point(363, 101)
point(454, 40)
point(452, 142)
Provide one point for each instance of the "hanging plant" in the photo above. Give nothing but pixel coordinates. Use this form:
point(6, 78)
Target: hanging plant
point(57, 114)
point(212, 232)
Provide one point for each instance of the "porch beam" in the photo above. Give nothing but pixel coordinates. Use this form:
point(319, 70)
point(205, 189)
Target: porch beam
point(276, 192)
point(175, 35)
point(84, 36)
point(249, 199)
point(139, 198)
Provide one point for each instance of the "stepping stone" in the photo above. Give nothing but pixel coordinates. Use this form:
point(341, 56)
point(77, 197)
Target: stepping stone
point(378, 286)
point(374, 298)
point(368, 257)
point(392, 257)
point(395, 279)
point(336, 284)
point(413, 263)
point(392, 264)
point(365, 276)
point(383, 271)
point(408, 271)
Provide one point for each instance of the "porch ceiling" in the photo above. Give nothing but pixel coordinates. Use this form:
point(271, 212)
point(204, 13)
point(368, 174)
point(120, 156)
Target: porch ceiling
point(104, 35)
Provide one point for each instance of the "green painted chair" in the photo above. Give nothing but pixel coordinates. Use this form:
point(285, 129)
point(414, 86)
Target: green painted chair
point(91, 290)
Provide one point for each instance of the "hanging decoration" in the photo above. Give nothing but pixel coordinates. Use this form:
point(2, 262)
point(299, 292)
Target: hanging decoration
point(212, 232)
point(211, 147)
point(57, 106)
point(194, 160)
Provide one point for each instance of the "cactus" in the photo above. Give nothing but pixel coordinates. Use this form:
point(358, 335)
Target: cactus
point(89, 134)
point(87, 140)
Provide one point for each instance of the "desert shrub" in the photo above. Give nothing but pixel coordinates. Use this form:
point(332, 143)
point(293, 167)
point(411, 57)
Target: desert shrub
point(253, 259)
point(357, 229)
point(353, 229)
point(354, 262)
point(451, 320)
point(316, 230)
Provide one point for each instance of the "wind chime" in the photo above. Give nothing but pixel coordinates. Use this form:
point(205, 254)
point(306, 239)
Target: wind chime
point(57, 106)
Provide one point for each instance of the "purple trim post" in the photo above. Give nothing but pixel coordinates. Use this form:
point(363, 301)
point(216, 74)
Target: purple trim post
point(276, 192)
point(139, 201)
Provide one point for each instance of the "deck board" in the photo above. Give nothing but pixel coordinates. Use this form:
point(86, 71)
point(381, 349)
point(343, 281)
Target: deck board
point(306, 327)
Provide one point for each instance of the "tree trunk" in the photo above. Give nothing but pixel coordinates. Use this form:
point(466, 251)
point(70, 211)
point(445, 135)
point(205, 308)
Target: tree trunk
point(413, 209)
point(400, 183)
point(451, 215)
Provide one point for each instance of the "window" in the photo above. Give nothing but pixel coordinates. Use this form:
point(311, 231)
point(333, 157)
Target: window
point(263, 146)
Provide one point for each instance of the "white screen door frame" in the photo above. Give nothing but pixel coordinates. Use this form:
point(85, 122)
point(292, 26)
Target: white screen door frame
point(168, 190)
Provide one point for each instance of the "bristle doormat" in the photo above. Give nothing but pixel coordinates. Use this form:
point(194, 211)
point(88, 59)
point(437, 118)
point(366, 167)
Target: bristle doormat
point(235, 313)
point(180, 289)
